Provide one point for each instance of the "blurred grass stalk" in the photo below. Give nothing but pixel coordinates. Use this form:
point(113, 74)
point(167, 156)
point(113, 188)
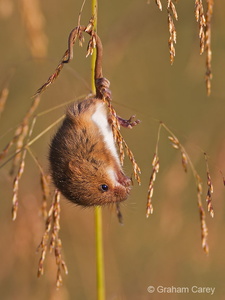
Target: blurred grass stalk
point(98, 210)
point(34, 23)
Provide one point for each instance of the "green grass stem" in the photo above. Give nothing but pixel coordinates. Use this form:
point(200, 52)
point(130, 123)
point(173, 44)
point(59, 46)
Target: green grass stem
point(98, 210)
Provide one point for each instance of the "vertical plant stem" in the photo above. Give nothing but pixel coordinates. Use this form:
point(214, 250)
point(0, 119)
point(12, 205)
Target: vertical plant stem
point(98, 210)
point(99, 254)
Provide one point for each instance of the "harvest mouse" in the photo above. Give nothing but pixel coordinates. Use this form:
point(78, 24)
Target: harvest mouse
point(84, 162)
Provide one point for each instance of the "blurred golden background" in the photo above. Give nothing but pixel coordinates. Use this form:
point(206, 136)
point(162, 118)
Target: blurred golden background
point(164, 250)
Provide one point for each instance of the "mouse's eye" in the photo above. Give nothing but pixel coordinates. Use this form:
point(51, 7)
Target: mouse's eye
point(104, 187)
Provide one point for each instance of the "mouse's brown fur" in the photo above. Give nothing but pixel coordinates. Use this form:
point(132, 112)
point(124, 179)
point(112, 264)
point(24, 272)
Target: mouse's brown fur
point(83, 166)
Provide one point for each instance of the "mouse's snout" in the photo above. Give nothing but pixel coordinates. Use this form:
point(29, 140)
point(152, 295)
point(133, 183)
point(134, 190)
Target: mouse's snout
point(124, 180)
point(127, 182)
point(121, 192)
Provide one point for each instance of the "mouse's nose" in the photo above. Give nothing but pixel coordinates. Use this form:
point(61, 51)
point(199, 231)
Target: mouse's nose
point(124, 180)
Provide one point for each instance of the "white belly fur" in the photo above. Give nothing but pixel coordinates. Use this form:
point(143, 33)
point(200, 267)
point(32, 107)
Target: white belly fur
point(100, 119)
